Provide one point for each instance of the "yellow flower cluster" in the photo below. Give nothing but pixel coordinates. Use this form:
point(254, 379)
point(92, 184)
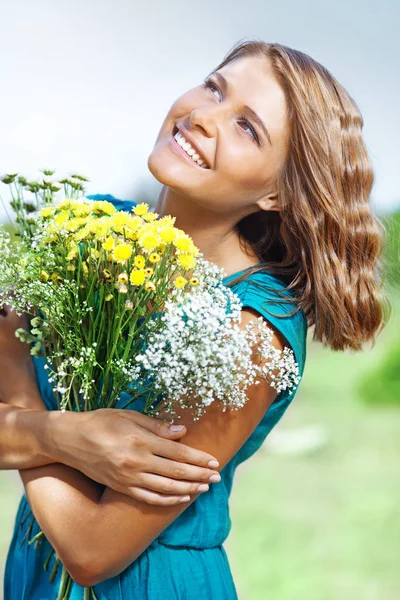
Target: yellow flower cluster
point(135, 238)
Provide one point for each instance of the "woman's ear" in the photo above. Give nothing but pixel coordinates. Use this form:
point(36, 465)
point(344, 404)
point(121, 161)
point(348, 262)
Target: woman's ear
point(269, 202)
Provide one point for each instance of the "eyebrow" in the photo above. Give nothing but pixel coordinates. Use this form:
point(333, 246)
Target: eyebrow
point(246, 109)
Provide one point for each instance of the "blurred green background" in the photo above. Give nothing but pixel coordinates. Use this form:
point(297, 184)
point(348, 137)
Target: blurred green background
point(315, 512)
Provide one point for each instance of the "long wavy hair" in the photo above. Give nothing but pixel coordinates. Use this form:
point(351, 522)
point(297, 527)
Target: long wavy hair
point(325, 243)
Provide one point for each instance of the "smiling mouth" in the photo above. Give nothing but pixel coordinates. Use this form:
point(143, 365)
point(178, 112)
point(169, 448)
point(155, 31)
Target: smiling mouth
point(185, 149)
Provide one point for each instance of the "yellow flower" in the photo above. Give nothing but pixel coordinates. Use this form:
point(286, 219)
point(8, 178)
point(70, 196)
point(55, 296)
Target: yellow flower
point(71, 268)
point(61, 217)
point(109, 243)
point(167, 234)
point(141, 209)
point(82, 234)
point(137, 276)
point(150, 216)
point(134, 223)
point(186, 261)
point(122, 252)
point(66, 204)
point(48, 211)
point(148, 241)
point(102, 206)
point(194, 281)
point(81, 209)
point(85, 268)
point(180, 282)
point(107, 275)
point(123, 277)
point(72, 254)
point(99, 227)
point(119, 218)
point(154, 257)
point(139, 261)
point(149, 286)
point(166, 221)
point(101, 231)
point(44, 276)
point(93, 253)
point(73, 224)
point(182, 242)
point(131, 235)
point(149, 271)
point(108, 297)
point(185, 243)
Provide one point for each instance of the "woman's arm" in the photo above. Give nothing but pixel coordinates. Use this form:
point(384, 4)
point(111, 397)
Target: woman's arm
point(125, 450)
point(25, 438)
point(98, 534)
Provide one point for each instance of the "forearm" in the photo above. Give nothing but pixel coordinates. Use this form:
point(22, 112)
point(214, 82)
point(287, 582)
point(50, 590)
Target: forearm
point(34, 437)
point(24, 435)
point(66, 505)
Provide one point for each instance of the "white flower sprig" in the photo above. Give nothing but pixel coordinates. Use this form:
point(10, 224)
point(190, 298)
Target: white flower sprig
point(200, 354)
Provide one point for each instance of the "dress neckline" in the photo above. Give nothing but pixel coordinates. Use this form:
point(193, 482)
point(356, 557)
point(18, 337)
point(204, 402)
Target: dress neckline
point(233, 275)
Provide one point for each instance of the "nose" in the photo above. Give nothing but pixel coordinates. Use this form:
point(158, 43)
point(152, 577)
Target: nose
point(205, 118)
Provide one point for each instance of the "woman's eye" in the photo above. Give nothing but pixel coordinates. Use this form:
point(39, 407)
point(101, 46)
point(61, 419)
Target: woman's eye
point(251, 129)
point(211, 85)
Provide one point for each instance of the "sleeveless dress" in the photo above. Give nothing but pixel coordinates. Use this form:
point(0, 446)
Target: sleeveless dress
point(188, 560)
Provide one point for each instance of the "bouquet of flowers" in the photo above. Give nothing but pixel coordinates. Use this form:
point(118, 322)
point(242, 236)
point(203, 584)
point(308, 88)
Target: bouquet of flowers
point(125, 302)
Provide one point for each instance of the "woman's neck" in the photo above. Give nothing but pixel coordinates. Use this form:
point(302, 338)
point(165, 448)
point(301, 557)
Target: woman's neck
point(213, 233)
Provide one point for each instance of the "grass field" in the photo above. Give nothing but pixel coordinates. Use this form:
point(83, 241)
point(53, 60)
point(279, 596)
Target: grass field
point(322, 525)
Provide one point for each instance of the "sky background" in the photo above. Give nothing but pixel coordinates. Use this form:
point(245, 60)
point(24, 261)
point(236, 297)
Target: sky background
point(85, 86)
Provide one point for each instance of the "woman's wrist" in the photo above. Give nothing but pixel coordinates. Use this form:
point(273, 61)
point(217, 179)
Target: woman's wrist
point(62, 439)
point(23, 435)
point(33, 436)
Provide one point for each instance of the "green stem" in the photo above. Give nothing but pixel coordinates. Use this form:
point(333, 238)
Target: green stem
point(27, 532)
point(36, 537)
point(93, 595)
point(63, 584)
point(54, 569)
point(46, 562)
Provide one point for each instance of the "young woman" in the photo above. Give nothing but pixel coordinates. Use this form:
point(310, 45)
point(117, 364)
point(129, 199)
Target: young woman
point(273, 184)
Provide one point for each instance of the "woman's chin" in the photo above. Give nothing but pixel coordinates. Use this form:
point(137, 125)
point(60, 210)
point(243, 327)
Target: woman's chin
point(166, 170)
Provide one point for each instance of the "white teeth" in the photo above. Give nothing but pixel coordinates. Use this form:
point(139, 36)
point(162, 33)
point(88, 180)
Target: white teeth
point(187, 147)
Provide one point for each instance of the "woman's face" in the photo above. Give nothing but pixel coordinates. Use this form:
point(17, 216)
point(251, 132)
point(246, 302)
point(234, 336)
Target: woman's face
point(241, 158)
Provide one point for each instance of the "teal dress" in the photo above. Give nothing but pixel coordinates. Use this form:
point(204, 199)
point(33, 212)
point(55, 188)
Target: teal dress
point(188, 560)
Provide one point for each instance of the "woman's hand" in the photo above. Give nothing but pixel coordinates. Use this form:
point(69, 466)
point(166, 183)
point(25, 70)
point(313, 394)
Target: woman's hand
point(18, 385)
point(133, 454)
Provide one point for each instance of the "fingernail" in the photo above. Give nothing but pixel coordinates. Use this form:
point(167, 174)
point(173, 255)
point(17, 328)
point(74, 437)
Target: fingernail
point(203, 487)
point(213, 464)
point(185, 499)
point(214, 478)
point(176, 427)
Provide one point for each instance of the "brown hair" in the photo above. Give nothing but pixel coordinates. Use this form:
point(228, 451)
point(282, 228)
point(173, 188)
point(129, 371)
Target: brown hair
point(325, 242)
